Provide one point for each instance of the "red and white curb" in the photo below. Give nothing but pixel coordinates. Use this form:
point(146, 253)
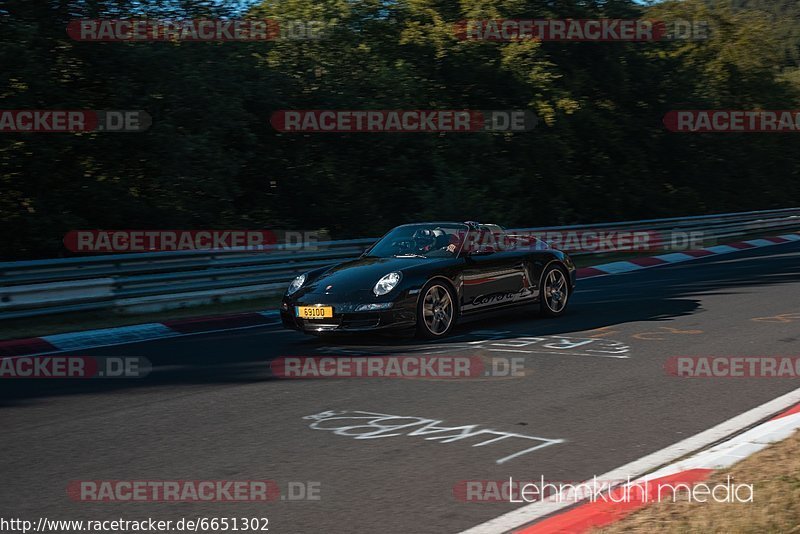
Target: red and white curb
point(105, 337)
point(548, 517)
point(637, 264)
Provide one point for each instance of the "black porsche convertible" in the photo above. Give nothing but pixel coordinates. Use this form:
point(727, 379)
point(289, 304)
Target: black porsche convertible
point(428, 275)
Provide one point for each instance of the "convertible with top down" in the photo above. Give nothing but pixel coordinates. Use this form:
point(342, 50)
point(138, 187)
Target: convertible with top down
point(427, 276)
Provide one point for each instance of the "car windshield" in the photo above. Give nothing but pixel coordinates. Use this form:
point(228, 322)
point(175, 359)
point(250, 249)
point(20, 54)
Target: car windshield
point(430, 240)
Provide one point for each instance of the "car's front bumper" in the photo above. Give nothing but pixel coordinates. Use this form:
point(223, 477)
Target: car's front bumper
point(402, 314)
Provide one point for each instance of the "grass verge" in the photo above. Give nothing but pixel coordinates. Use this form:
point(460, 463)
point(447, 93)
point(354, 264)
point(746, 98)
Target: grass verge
point(775, 475)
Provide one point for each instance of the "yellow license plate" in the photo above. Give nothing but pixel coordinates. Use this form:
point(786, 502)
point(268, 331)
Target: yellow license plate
point(314, 312)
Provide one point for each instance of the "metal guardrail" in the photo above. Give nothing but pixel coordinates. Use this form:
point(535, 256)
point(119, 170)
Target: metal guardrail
point(155, 281)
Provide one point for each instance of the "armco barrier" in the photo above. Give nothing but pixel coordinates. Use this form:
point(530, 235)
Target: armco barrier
point(155, 281)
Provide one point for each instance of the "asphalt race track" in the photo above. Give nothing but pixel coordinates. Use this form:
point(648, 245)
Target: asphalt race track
point(595, 394)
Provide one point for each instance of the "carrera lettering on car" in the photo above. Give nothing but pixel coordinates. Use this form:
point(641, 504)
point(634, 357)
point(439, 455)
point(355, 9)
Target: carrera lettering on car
point(497, 298)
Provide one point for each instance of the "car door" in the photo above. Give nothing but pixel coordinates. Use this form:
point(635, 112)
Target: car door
point(492, 276)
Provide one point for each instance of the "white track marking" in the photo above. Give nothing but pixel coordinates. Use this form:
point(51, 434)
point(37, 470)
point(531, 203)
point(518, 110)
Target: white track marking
point(723, 249)
point(618, 267)
point(675, 257)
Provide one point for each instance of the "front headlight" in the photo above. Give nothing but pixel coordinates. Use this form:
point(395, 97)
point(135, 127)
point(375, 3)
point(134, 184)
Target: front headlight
point(296, 284)
point(387, 283)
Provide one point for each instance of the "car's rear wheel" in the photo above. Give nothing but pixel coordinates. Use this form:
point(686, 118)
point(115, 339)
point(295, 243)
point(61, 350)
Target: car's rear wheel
point(436, 310)
point(554, 291)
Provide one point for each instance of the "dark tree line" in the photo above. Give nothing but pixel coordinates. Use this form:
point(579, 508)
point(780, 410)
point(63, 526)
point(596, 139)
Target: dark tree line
point(211, 159)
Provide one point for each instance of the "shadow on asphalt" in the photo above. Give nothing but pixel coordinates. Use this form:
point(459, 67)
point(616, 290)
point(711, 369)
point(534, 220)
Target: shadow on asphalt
point(658, 294)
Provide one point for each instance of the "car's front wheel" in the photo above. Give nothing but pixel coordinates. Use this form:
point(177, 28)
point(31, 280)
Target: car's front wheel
point(554, 291)
point(436, 310)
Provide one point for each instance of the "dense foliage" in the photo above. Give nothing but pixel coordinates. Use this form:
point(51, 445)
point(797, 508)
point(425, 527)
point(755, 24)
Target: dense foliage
point(212, 160)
